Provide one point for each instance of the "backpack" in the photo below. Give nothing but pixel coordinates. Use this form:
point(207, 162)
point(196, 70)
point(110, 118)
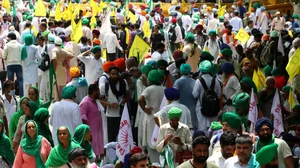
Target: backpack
point(266, 55)
point(210, 102)
point(45, 63)
point(172, 34)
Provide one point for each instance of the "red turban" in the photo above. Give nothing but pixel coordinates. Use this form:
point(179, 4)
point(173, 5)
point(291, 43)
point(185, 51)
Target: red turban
point(106, 65)
point(135, 150)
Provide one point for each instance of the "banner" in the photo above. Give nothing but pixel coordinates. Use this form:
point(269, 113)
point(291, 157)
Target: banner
point(155, 135)
point(139, 48)
point(242, 36)
point(125, 139)
point(253, 112)
point(40, 8)
point(221, 10)
point(259, 79)
point(276, 111)
point(293, 67)
point(291, 100)
point(76, 31)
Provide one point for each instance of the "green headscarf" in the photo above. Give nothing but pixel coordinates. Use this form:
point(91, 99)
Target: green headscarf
point(39, 117)
point(267, 70)
point(5, 146)
point(78, 137)
point(286, 89)
point(216, 125)
point(38, 101)
point(28, 40)
point(33, 108)
point(15, 119)
point(32, 147)
point(58, 155)
point(145, 69)
point(275, 72)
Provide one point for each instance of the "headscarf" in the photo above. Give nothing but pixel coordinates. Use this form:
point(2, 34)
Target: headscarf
point(161, 63)
point(172, 93)
point(152, 63)
point(267, 70)
point(241, 101)
point(28, 40)
point(296, 107)
point(249, 82)
point(266, 154)
point(177, 54)
point(5, 146)
point(15, 119)
point(39, 117)
point(38, 101)
point(85, 21)
point(232, 119)
point(226, 52)
point(33, 147)
point(33, 108)
point(286, 89)
point(185, 69)
point(275, 72)
point(206, 56)
point(205, 66)
point(58, 155)
point(174, 112)
point(212, 32)
point(78, 138)
point(68, 92)
point(120, 63)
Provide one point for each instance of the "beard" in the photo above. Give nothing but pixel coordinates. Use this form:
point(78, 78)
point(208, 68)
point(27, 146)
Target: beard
point(265, 138)
point(200, 159)
point(271, 166)
point(227, 155)
point(83, 166)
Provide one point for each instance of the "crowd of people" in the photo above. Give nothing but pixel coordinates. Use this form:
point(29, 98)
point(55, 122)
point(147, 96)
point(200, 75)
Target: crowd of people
point(203, 95)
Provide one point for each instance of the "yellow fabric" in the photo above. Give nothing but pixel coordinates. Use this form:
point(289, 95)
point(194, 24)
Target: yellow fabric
point(242, 36)
point(259, 79)
point(58, 15)
point(100, 7)
point(219, 4)
point(76, 12)
point(293, 67)
point(94, 7)
point(139, 48)
point(250, 6)
point(76, 31)
point(104, 53)
point(146, 29)
point(6, 5)
point(69, 12)
point(221, 11)
point(132, 17)
point(292, 101)
point(127, 36)
point(40, 8)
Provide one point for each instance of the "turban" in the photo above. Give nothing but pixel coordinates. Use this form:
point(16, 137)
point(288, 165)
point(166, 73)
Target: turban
point(85, 21)
point(296, 107)
point(45, 33)
point(74, 71)
point(274, 33)
point(154, 76)
point(229, 27)
point(266, 154)
point(195, 9)
point(199, 27)
point(286, 89)
point(96, 49)
point(262, 8)
point(58, 41)
point(249, 82)
point(51, 38)
point(174, 20)
point(265, 37)
point(143, 13)
point(228, 68)
point(162, 63)
point(239, 2)
point(232, 119)
point(208, 8)
point(177, 54)
point(214, 69)
point(206, 56)
point(185, 69)
point(296, 42)
point(106, 65)
point(295, 16)
point(135, 150)
point(120, 63)
point(221, 18)
point(130, 6)
point(29, 17)
point(76, 152)
point(190, 38)
point(96, 41)
point(226, 52)
point(172, 94)
point(224, 46)
point(275, 72)
point(214, 10)
point(205, 66)
point(241, 101)
point(212, 32)
point(152, 63)
point(145, 69)
point(216, 125)
point(97, 32)
point(263, 121)
point(143, 6)
point(68, 92)
point(267, 70)
point(174, 112)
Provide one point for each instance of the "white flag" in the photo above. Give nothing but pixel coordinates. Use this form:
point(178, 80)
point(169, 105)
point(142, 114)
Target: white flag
point(163, 102)
point(155, 135)
point(125, 140)
point(276, 111)
point(253, 112)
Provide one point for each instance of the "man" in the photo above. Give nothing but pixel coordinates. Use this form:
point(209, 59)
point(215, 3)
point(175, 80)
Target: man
point(228, 37)
point(241, 103)
point(111, 42)
point(9, 99)
point(174, 133)
point(156, 37)
point(227, 57)
point(12, 56)
point(91, 115)
point(263, 20)
point(65, 112)
point(296, 45)
point(264, 130)
point(227, 141)
point(249, 27)
point(278, 22)
point(267, 156)
point(60, 57)
point(213, 23)
point(200, 154)
point(104, 77)
point(78, 158)
point(159, 53)
point(139, 160)
point(172, 95)
point(175, 35)
point(79, 82)
point(200, 38)
point(212, 44)
point(113, 96)
point(244, 157)
point(236, 22)
point(93, 62)
point(86, 31)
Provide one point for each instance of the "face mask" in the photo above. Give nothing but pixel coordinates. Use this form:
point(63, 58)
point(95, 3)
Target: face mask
point(12, 92)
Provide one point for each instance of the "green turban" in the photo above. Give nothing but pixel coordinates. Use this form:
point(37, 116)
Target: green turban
point(205, 55)
point(214, 69)
point(190, 37)
point(205, 66)
point(195, 20)
point(216, 125)
point(68, 92)
point(232, 119)
point(51, 38)
point(266, 154)
point(145, 69)
point(286, 89)
point(174, 112)
point(295, 16)
point(45, 33)
point(249, 82)
point(275, 72)
point(96, 49)
point(196, 17)
point(221, 18)
point(241, 101)
point(296, 107)
point(212, 32)
point(24, 17)
point(274, 33)
point(162, 63)
point(185, 69)
point(29, 17)
point(226, 52)
point(85, 21)
point(267, 70)
point(154, 76)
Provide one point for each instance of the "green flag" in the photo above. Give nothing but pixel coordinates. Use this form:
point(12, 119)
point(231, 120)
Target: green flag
point(166, 157)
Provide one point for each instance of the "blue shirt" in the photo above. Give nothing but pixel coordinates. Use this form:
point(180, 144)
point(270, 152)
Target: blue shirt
point(295, 24)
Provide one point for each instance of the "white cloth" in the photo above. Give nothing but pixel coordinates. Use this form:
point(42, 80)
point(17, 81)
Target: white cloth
point(93, 68)
point(12, 53)
point(236, 23)
point(64, 113)
point(231, 89)
point(110, 42)
point(213, 48)
point(10, 107)
point(234, 162)
point(212, 24)
point(140, 113)
point(186, 21)
point(178, 34)
point(263, 23)
point(31, 63)
point(103, 78)
point(217, 159)
point(278, 24)
point(158, 56)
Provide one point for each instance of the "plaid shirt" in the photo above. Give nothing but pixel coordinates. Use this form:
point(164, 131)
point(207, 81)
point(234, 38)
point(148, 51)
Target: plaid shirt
point(201, 39)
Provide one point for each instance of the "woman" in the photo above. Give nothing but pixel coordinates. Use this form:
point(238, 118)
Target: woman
point(59, 154)
point(6, 153)
point(33, 94)
point(82, 136)
point(16, 116)
point(28, 115)
point(266, 96)
point(41, 117)
point(34, 149)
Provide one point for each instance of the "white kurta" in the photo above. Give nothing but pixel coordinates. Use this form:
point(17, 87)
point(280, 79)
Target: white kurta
point(263, 23)
point(31, 63)
point(231, 89)
point(93, 68)
point(140, 113)
point(45, 75)
point(213, 48)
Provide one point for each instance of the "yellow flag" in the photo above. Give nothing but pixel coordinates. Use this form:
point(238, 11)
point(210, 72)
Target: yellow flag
point(69, 12)
point(58, 15)
point(93, 21)
point(127, 35)
point(100, 7)
point(76, 31)
point(242, 35)
point(221, 10)
point(139, 48)
point(250, 6)
point(259, 79)
point(219, 3)
point(146, 29)
point(40, 8)
point(293, 67)
point(94, 7)
point(6, 5)
point(132, 17)
point(76, 12)
point(291, 100)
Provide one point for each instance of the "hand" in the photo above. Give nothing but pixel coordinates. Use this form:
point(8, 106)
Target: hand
point(148, 110)
point(114, 105)
point(177, 140)
point(168, 138)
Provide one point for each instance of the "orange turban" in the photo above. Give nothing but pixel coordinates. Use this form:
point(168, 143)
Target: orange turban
point(239, 2)
point(106, 65)
point(96, 41)
point(143, 13)
point(74, 71)
point(265, 37)
point(130, 6)
point(120, 63)
point(252, 9)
